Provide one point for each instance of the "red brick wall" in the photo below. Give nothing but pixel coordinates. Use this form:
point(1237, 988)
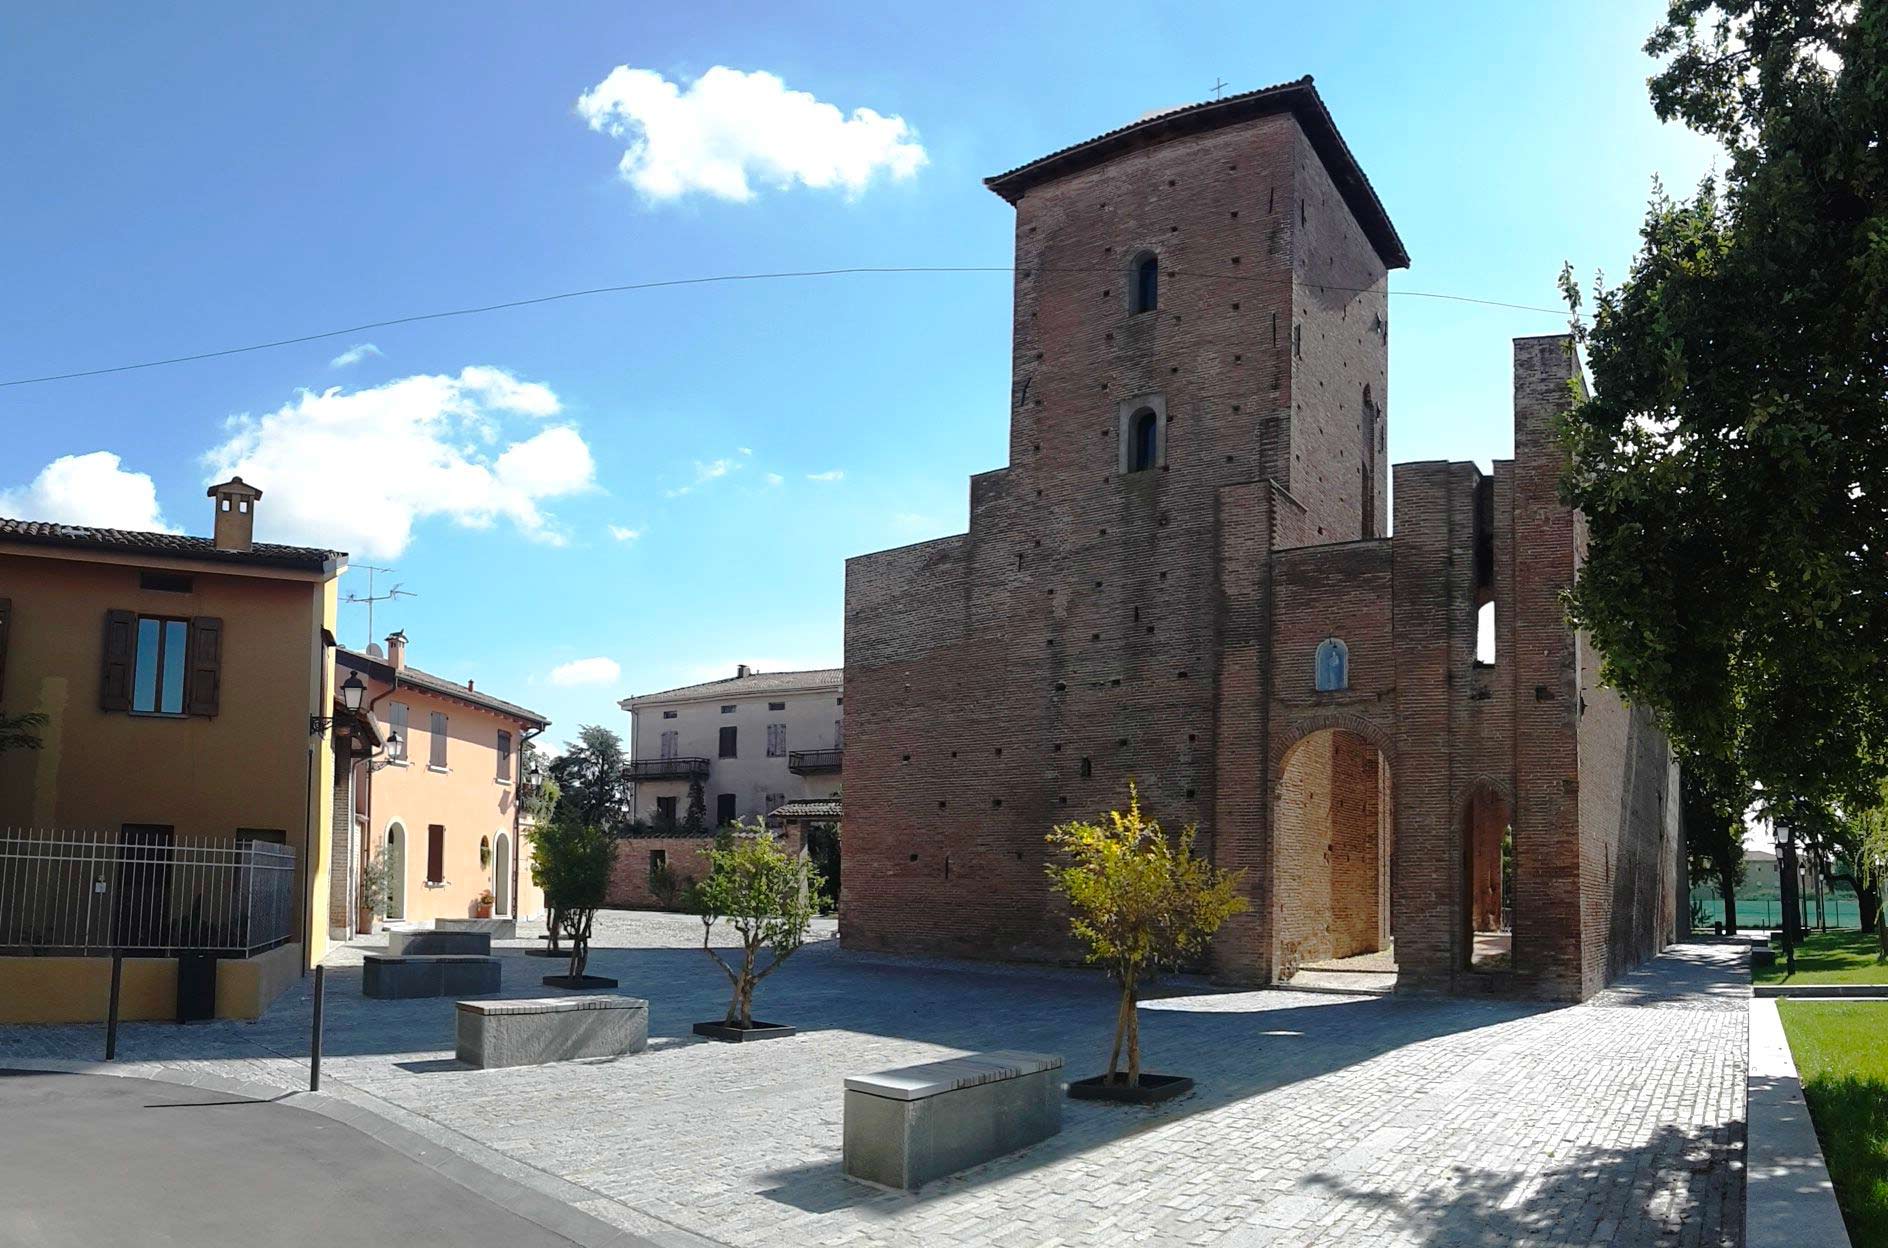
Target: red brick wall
point(687, 858)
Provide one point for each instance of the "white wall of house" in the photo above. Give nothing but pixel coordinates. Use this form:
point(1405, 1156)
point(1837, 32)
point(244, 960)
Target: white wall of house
point(806, 715)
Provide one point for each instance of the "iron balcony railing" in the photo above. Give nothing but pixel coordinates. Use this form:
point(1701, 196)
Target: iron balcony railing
point(150, 893)
point(814, 762)
point(668, 769)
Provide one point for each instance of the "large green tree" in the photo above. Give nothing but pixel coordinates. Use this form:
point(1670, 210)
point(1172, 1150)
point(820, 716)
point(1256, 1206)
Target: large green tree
point(1712, 805)
point(1732, 464)
point(593, 780)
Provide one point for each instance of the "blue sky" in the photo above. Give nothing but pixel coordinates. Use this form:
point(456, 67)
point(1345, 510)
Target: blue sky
point(669, 481)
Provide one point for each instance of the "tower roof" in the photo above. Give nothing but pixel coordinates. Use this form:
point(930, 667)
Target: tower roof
point(1299, 98)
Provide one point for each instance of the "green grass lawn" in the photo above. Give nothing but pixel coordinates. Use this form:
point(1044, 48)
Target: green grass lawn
point(1841, 1052)
point(1830, 958)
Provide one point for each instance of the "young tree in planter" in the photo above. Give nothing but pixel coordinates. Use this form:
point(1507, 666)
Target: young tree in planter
point(767, 896)
point(1142, 903)
point(573, 862)
point(540, 796)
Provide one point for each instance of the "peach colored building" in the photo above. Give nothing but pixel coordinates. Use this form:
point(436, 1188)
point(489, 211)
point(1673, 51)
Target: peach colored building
point(442, 805)
point(189, 692)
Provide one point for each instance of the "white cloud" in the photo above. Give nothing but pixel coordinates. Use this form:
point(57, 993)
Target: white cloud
point(774, 478)
point(597, 671)
point(831, 474)
point(356, 469)
point(354, 355)
point(714, 470)
point(745, 450)
point(624, 534)
point(730, 128)
point(91, 490)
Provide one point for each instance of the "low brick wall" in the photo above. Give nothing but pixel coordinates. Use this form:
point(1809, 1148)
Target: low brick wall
point(686, 856)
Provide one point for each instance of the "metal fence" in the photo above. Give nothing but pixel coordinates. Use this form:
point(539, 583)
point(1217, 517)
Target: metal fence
point(148, 892)
point(1838, 910)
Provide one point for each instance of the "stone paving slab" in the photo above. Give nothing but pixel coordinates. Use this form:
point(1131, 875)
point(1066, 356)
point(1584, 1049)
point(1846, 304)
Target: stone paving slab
point(1319, 1119)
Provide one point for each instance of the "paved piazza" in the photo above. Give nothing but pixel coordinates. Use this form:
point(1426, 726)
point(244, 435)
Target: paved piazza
point(1319, 1118)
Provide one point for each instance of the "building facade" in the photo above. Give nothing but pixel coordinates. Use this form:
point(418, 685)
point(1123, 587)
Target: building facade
point(440, 805)
point(188, 689)
point(1184, 579)
point(752, 741)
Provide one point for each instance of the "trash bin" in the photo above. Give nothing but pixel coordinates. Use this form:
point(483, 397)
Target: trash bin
point(196, 987)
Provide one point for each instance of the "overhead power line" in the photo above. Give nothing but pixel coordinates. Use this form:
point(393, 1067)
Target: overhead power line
point(714, 279)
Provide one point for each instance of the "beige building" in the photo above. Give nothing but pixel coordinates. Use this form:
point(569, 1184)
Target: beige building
point(754, 741)
point(442, 806)
point(179, 797)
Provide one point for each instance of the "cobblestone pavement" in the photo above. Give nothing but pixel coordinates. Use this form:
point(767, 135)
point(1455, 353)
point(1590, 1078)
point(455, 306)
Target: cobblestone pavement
point(1318, 1119)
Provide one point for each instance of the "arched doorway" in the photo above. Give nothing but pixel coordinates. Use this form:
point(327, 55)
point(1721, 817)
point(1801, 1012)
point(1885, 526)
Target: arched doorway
point(501, 877)
point(1331, 847)
point(396, 870)
point(1488, 844)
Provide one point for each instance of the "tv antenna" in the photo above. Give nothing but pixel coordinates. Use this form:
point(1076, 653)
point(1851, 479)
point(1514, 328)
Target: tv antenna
point(370, 598)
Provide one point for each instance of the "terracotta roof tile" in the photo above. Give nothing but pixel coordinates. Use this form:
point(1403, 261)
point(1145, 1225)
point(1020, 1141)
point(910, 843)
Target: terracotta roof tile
point(171, 545)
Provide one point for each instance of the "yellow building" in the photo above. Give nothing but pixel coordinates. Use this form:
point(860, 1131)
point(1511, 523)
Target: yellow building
point(188, 689)
point(441, 807)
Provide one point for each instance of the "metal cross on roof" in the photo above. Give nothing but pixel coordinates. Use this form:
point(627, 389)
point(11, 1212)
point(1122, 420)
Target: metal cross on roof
point(1219, 84)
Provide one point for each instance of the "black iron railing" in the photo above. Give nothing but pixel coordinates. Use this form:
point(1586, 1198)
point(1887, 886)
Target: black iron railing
point(814, 762)
point(668, 769)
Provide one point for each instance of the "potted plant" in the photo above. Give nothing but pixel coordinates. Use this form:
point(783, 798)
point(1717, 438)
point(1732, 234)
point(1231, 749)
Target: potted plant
point(482, 908)
point(767, 896)
point(1142, 902)
point(573, 863)
point(376, 886)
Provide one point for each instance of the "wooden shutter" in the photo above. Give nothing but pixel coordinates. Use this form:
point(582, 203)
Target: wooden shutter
point(435, 853)
point(6, 622)
point(121, 649)
point(203, 681)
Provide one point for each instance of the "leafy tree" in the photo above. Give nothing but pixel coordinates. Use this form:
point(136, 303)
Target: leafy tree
point(539, 795)
point(1864, 860)
point(572, 862)
point(1732, 463)
point(593, 780)
point(766, 895)
point(1712, 805)
point(1142, 902)
point(21, 732)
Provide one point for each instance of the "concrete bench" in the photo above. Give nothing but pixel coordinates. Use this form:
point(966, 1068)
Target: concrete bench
point(424, 943)
point(550, 1029)
point(906, 1127)
point(497, 929)
point(430, 975)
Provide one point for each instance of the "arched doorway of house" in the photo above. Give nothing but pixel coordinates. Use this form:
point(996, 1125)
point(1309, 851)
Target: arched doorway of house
point(501, 877)
point(1331, 846)
point(1488, 844)
point(396, 870)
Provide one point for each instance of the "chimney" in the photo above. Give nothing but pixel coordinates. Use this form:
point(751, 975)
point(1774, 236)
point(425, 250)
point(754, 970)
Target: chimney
point(396, 651)
point(469, 688)
point(235, 514)
point(742, 669)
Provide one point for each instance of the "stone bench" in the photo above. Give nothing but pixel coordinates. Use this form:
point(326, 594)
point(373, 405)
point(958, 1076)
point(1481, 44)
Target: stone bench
point(906, 1127)
point(497, 929)
point(550, 1029)
point(425, 943)
point(429, 975)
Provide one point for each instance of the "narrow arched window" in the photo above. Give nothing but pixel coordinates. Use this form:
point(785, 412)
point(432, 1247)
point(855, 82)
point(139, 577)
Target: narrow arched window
point(1333, 665)
point(1146, 284)
point(1144, 443)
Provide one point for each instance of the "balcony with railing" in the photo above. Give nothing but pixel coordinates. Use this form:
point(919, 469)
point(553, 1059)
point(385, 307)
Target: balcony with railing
point(814, 762)
point(668, 769)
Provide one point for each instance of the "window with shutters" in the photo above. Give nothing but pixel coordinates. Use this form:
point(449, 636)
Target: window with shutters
point(724, 809)
point(397, 739)
point(437, 730)
point(665, 811)
point(776, 740)
point(504, 757)
point(161, 665)
point(775, 801)
point(728, 743)
point(436, 853)
point(6, 625)
point(671, 742)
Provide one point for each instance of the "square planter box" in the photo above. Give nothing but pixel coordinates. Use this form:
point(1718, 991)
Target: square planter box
point(1152, 1089)
point(578, 981)
point(740, 1035)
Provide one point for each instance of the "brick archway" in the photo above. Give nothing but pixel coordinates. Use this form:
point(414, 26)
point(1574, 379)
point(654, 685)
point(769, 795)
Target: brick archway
point(1331, 807)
